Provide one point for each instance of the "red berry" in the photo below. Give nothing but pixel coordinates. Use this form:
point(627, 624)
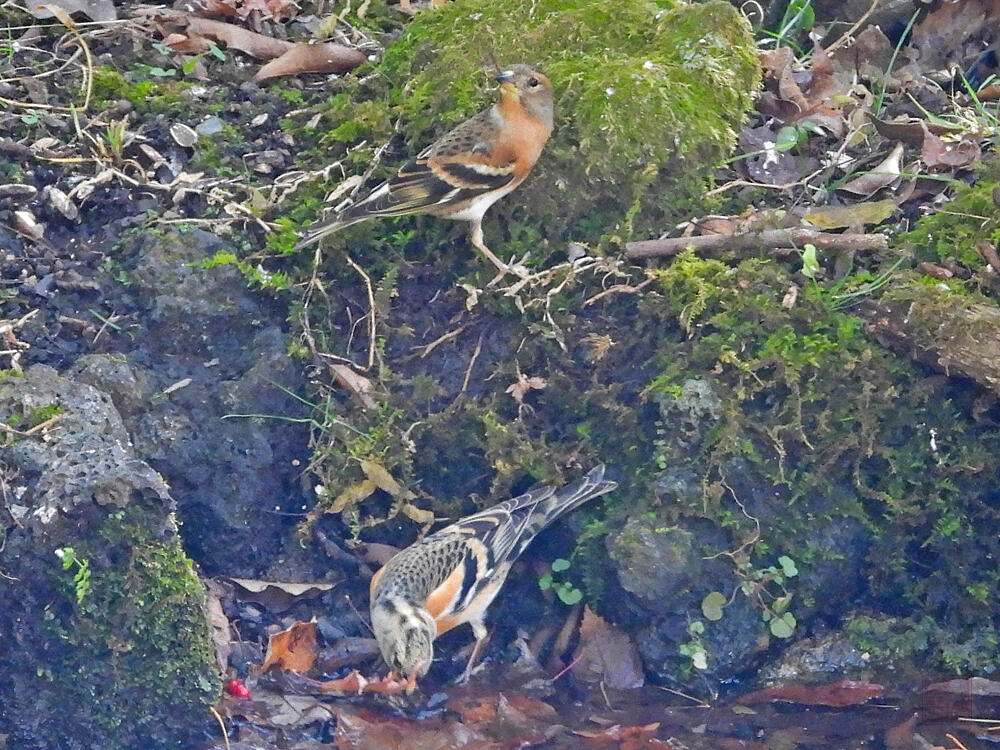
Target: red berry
point(238, 689)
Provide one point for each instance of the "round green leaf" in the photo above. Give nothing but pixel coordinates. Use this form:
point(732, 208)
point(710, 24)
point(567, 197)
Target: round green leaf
point(712, 605)
point(784, 626)
point(569, 595)
point(559, 565)
point(788, 566)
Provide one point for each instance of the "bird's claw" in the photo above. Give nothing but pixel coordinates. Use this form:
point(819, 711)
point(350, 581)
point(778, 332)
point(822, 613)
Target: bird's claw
point(513, 268)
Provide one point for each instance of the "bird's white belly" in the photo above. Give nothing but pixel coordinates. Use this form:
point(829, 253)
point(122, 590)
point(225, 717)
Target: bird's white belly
point(475, 210)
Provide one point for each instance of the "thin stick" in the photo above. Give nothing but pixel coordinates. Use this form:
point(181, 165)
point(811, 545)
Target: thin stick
point(222, 725)
point(371, 313)
point(619, 289)
point(847, 34)
point(468, 370)
point(772, 238)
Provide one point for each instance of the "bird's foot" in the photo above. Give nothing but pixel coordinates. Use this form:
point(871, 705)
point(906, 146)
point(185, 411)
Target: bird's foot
point(514, 268)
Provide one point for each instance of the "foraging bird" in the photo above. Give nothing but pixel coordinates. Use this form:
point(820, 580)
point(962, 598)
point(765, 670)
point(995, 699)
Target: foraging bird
point(468, 170)
point(452, 576)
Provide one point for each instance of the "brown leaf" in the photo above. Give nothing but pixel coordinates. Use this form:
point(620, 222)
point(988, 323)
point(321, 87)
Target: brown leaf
point(96, 10)
point(606, 654)
point(275, 596)
point(908, 130)
point(350, 381)
point(524, 386)
point(356, 733)
point(293, 649)
point(936, 153)
point(219, 623)
point(837, 695)
point(254, 44)
point(877, 177)
point(617, 732)
point(324, 57)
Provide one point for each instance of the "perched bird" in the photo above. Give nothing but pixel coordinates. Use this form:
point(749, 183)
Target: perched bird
point(468, 170)
point(453, 575)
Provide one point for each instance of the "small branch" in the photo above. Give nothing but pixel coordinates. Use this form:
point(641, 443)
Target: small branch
point(846, 36)
point(371, 305)
point(771, 238)
point(472, 362)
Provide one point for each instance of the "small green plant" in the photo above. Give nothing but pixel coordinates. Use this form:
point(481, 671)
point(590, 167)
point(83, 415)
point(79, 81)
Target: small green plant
point(694, 649)
point(81, 576)
point(566, 591)
point(799, 16)
point(758, 585)
point(278, 280)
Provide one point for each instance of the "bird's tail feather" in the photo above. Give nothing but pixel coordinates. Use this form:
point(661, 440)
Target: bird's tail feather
point(553, 504)
point(324, 228)
point(574, 495)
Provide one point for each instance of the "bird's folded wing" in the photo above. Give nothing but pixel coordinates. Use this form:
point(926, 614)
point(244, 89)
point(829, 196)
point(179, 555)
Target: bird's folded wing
point(424, 184)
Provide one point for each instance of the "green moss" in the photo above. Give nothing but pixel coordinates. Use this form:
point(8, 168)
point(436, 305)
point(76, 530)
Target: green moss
point(139, 636)
point(957, 227)
point(646, 92)
point(146, 95)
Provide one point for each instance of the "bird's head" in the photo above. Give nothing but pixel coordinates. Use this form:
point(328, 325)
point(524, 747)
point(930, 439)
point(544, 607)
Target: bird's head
point(405, 635)
point(531, 88)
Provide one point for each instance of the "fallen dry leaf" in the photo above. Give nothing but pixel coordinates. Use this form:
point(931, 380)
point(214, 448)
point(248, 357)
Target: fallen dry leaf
point(173, 25)
point(274, 595)
point(277, 9)
point(353, 494)
point(350, 381)
point(936, 153)
point(524, 386)
point(218, 622)
point(878, 177)
point(357, 733)
point(606, 654)
point(293, 649)
point(356, 684)
point(323, 57)
point(617, 732)
point(384, 480)
point(96, 10)
point(281, 711)
point(837, 695)
point(856, 214)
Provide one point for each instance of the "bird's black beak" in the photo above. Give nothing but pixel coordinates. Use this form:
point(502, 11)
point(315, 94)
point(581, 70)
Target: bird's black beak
point(505, 77)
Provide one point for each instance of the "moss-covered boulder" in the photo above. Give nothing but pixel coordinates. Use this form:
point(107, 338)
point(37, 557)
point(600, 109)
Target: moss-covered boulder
point(649, 96)
point(106, 636)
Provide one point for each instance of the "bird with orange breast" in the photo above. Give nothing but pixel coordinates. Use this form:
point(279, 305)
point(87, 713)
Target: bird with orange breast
point(451, 577)
point(468, 170)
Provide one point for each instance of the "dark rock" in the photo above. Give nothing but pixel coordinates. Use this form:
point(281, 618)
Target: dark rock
point(119, 656)
point(653, 562)
point(822, 659)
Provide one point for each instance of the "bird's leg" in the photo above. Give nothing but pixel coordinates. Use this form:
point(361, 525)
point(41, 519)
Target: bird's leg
point(480, 632)
point(476, 238)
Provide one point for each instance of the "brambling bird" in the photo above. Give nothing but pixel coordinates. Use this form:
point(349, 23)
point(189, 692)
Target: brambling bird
point(451, 577)
point(468, 170)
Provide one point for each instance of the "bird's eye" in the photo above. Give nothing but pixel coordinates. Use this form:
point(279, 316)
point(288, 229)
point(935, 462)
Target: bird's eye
point(533, 82)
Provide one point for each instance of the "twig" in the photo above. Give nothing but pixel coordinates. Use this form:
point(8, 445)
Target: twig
point(772, 238)
point(425, 350)
point(847, 34)
point(468, 370)
point(619, 289)
point(371, 313)
point(222, 725)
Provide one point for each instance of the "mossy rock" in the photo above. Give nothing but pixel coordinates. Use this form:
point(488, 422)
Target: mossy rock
point(649, 97)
